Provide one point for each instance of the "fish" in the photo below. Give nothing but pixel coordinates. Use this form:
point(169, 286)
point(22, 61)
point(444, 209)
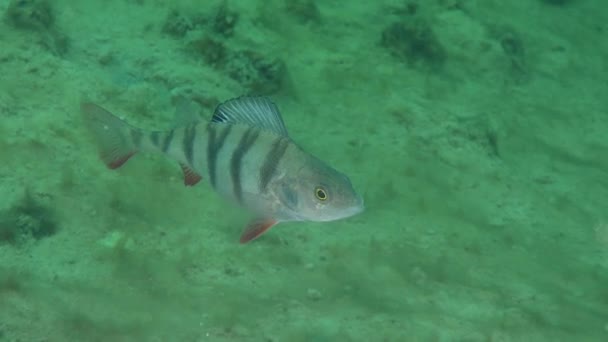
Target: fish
point(246, 155)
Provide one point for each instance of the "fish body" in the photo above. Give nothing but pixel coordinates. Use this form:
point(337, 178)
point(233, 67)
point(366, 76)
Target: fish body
point(246, 155)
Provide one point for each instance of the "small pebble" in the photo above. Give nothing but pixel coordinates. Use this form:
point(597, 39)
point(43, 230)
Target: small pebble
point(313, 294)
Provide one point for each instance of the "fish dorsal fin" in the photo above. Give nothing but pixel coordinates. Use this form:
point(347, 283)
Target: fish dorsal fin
point(254, 111)
point(187, 112)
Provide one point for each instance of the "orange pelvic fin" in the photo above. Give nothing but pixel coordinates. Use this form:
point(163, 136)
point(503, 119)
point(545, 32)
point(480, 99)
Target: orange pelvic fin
point(256, 228)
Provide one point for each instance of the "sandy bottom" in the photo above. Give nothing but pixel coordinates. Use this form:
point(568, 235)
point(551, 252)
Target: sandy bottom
point(475, 130)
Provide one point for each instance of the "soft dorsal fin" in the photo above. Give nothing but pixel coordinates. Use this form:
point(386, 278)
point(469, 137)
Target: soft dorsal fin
point(187, 112)
point(254, 111)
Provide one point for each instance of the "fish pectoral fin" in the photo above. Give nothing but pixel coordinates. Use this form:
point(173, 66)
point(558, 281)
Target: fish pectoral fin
point(190, 176)
point(256, 228)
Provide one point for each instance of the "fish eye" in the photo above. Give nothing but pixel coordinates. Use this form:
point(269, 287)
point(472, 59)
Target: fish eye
point(321, 193)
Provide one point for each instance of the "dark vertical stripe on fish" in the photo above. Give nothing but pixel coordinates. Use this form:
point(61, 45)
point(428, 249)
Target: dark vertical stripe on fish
point(211, 133)
point(188, 143)
point(268, 169)
point(167, 141)
point(214, 144)
point(244, 145)
point(155, 138)
point(136, 137)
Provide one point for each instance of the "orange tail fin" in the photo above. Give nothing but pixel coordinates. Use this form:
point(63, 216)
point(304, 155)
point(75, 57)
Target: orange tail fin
point(117, 141)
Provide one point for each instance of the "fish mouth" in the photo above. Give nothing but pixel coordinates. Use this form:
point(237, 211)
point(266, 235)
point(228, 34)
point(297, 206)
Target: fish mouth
point(359, 206)
point(344, 213)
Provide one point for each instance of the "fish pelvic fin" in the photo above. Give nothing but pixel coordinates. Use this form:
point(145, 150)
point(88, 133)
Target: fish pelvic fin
point(117, 141)
point(256, 228)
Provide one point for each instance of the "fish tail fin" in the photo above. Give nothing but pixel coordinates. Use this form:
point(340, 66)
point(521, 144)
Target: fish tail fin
point(117, 140)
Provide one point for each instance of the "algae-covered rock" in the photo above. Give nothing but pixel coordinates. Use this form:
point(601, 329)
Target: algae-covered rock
point(38, 16)
point(225, 20)
point(207, 38)
point(221, 22)
point(178, 24)
point(211, 50)
point(413, 41)
point(557, 2)
point(304, 11)
point(27, 219)
point(30, 14)
point(258, 73)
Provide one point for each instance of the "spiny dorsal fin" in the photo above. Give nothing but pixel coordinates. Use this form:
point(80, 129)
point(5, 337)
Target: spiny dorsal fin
point(253, 111)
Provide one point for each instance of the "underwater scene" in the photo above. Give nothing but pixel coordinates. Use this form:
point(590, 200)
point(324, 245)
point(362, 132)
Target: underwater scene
point(303, 170)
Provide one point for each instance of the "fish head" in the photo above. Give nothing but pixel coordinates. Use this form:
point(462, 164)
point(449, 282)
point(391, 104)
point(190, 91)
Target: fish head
point(317, 192)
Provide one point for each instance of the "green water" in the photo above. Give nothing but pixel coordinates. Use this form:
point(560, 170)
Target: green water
point(475, 130)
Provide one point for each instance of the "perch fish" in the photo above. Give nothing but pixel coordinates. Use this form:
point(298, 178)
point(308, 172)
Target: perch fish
point(246, 155)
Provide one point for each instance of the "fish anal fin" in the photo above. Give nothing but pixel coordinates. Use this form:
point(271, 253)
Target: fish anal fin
point(256, 228)
point(190, 176)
